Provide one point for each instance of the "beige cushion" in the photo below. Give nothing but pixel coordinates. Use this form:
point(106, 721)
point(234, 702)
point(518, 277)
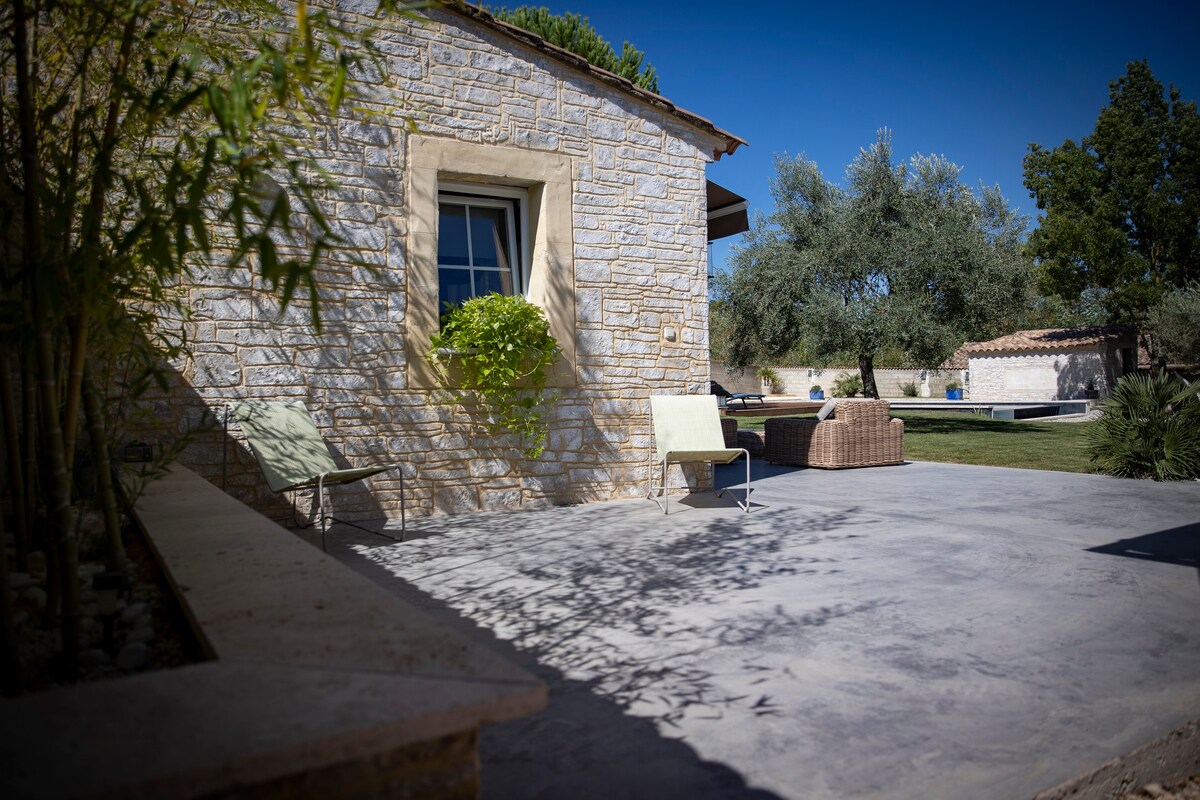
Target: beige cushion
point(827, 409)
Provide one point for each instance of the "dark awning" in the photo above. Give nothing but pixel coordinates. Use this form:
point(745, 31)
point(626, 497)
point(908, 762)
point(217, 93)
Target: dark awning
point(727, 214)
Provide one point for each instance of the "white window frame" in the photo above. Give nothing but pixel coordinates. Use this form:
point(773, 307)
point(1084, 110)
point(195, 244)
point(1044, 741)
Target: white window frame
point(516, 201)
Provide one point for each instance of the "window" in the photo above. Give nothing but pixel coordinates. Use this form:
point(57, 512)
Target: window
point(541, 184)
point(479, 246)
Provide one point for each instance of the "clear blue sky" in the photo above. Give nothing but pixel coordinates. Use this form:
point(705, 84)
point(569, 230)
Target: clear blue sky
point(975, 82)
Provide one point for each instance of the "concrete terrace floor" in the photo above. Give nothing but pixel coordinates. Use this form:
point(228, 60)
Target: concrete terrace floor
point(926, 630)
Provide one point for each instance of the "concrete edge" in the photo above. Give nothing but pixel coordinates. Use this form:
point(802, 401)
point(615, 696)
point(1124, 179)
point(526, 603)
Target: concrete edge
point(260, 718)
point(1168, 759)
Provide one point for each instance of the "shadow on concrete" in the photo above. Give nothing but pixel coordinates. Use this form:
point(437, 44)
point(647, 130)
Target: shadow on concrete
point(546, 755)
point(618, 626)
point(1179, 546)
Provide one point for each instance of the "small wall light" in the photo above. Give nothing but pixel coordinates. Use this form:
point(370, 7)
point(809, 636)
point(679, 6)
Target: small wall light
point(136, 452)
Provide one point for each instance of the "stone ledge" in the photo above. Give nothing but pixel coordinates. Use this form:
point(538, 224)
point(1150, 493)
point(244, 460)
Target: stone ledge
point(316, 668)
point(1168, 759)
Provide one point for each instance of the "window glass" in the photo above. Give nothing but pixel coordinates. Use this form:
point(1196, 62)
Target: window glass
point(478, 248)
point(489, 280)
point(454, 287)
point(452, 235)
point(489, 235)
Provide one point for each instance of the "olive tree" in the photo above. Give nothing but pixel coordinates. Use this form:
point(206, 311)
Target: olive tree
point(903, 257)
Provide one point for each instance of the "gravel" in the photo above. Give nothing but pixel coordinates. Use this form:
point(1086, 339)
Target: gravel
point(149, 630)
point(1184, 790)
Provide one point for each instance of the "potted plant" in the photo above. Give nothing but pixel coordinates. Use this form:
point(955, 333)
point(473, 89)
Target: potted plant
point(771, 384)
point(847, 385)
point(499, 348)
point(815, 392)
point(954, 391)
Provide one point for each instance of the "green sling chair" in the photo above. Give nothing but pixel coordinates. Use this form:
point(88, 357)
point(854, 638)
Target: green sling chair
point(687, 429)
point(293, 455)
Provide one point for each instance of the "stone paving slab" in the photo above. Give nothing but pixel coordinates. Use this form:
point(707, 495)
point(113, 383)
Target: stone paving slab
point(927, 630)
point(321, 683)
point(256, 593)
point(216, 728)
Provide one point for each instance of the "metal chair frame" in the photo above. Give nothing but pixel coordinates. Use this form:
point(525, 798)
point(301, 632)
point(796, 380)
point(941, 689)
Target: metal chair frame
point(320, 482)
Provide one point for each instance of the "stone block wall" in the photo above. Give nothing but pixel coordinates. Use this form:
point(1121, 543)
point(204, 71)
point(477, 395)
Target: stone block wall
point(796, 381)
point(634, 259)
point(1038, 376)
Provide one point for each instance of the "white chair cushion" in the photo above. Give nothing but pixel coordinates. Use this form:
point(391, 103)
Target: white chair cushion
point(826, 410)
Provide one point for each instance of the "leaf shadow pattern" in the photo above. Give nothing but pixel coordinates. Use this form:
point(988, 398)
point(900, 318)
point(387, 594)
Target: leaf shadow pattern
point(634, 613)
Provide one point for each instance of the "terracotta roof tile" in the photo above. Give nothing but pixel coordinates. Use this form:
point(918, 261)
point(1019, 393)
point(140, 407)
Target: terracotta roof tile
point(958, 359)
point(1049, 339)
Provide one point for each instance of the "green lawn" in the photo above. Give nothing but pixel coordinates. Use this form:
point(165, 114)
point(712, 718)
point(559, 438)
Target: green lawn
point(960, 438)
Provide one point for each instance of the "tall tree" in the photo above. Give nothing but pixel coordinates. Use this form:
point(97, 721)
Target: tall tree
point(903, 257)
point(1121, 206)
point(575, 33)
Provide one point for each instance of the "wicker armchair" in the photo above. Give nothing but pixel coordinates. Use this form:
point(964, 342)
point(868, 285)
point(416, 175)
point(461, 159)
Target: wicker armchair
point(729, 431)
point(860, 434)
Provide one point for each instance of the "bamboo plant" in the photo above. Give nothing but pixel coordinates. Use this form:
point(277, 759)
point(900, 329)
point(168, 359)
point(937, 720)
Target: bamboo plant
point(137, 137)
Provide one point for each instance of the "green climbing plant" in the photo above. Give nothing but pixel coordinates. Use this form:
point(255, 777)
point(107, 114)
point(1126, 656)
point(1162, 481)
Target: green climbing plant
point(497, 350)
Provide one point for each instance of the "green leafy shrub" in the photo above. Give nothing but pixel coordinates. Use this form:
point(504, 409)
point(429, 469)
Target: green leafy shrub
point(953, 385)
point(847, 385)
point(499, 348)
point(770, 378)
point(1150, 429)
point(909, 389)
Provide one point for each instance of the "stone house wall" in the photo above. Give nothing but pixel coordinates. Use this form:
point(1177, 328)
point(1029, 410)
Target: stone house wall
point(1040, 376)
point(618, 233)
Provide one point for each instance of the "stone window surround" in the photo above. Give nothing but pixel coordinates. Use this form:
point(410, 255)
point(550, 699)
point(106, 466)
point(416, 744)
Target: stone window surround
point(547, 178)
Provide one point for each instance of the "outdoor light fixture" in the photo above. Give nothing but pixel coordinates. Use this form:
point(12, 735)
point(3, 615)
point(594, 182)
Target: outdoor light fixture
point(108, 586)
point(136, 452)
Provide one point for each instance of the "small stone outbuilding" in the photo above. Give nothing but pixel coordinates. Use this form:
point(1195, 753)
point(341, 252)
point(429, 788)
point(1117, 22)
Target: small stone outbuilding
point(1051, 364)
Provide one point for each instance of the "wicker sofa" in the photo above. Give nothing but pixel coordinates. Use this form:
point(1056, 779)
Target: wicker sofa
point(859, 434)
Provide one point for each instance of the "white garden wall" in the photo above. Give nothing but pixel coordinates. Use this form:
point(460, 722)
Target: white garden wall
point(796, 381)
